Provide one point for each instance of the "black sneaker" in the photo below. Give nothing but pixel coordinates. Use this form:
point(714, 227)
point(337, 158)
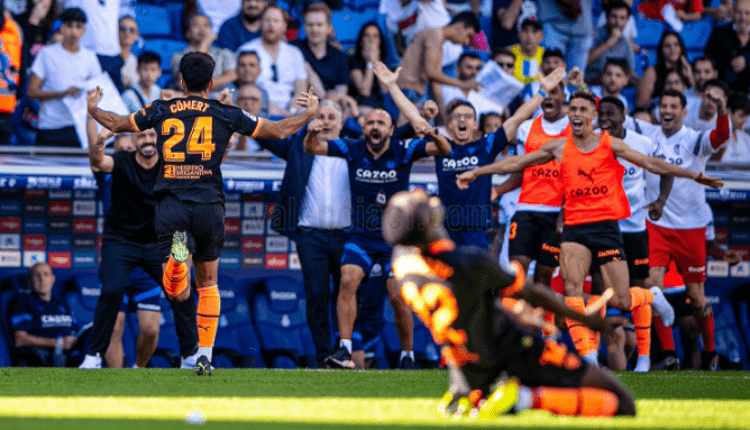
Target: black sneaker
point(407, 363)
point(670, 362)
point(709, 360)
point(202, 366)
point(341, 359)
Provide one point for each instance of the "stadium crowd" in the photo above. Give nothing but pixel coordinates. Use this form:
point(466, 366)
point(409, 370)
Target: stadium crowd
point(466, 82)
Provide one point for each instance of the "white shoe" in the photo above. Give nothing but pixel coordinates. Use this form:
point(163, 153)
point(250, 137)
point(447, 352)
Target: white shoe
point(91, 362)
point(643, 365)
point(189, 362)
point(662, 307)
point(592, 358)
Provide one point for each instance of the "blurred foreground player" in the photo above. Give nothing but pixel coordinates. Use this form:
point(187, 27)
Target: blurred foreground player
point(193, 135)
point(457, 293)
point(595, 201)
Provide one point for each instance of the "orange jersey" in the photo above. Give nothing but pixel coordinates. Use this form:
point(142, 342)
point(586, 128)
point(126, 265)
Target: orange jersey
point(593, 184)
point(541, 184)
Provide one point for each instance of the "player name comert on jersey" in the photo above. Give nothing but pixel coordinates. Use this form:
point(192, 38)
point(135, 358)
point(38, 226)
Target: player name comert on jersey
point(183, 105)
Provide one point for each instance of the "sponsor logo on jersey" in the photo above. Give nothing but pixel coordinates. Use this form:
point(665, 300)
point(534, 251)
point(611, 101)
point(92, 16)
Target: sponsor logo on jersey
point(84, 208)
point(252, 244)
point(253, 260)
point(588, 176)
point(277, 261)
point(741, 270)
point(375, 176)
point(49, 321)
point(185, 171)
point(717, 269)
point(60, 260)
point(10, 241)
point(30, 258)
point(36, 242)
point(84, 225)
point(283, 295)
point(10, 225)
point(10, 258)
point(377, 270)
point(294, 263)
point(465, 163)
point(60, 207)
point(700, 269)
point(277, 244)
point(589, 191)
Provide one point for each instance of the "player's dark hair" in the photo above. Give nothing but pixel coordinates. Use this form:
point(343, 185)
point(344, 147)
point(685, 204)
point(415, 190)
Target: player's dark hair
point(738, 101)
point(73, 14)
point(149, 57)
point(704, 58)
point(718, 83)
point(246, 53)
point(457, 103)
point(197, 70)
point(583, 95)
point(531, 22)
point(617, 4)
point(361, 35)
point(615, 101)
point(502, 51)
point(674, 93)
point(413, 218)
point(485, 116)
point(619, 62)
point(468, 19)
point(466, 55)
point(548, 53)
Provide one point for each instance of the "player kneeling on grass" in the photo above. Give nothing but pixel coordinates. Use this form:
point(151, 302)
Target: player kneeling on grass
point(457, 292)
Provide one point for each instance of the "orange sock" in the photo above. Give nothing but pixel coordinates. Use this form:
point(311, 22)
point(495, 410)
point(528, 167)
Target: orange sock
point(595, 335)
point(175, 277)
point(549, 318)
point(642, 323)
point(578, 331)
point(209, 309)
point(640, 297)
point(587, 402)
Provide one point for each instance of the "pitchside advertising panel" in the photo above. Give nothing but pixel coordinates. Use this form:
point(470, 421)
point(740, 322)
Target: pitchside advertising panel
point(58, 219)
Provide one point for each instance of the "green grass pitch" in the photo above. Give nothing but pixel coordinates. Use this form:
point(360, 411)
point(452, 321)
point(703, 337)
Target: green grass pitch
point(276, 399)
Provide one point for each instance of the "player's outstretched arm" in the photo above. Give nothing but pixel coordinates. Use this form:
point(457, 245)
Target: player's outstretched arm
point(313, 146)
point(656, 208)
point(512, 164)
point(661, 167)
point(112, 121)
point(98, 160)
point(524, 112)
point(288, 126)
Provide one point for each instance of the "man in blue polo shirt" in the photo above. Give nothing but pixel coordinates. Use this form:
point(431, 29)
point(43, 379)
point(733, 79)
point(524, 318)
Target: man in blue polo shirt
point(378, 169)
point(469, 212)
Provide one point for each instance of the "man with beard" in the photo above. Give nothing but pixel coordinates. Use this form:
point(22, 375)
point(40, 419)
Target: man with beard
point(595, 200)
point(129, 242)
point(243, 27)
point(469, 211)
point(679, 235)
point(378, 169)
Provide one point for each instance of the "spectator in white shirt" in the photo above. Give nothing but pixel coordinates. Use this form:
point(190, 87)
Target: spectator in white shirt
point(146, 90)
point(701, 116)
point(737, 148)
point(282, 66)
point(469, 65)
point(128, 35)
point(61, 70)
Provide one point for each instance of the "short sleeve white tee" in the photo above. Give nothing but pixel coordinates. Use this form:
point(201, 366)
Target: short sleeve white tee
point(59, 70)
point(424, 14)
point(290, 68)
point(481, 103)
point(633, 182)
point(102, 33)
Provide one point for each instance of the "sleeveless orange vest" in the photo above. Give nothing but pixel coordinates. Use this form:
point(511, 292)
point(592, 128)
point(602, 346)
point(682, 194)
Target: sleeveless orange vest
point(10, 51)
point(541, 184)
point(593, 184)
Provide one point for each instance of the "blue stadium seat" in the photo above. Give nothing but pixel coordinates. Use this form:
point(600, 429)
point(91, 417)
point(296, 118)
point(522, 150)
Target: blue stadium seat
point(281, 323)
point(649, 32)
point(425, 350)
point(165, 48)
point(485, 23)
point(175, 11)
point(696, 34)
point(237, 344)
point(82, 300)
point(348, 23)
point(153, 21)
point(362, 4)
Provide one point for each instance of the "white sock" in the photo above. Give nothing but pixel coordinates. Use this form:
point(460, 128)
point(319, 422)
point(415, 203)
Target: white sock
point(525, 399)
point(346, 343)
point(409, 354)
point(207, 351)
point(135, 366)
point(643, 365)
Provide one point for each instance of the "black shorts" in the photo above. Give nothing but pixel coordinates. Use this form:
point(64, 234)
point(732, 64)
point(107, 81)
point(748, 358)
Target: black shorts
point(680, 304)
point(602, 238)
point(636, 249)
point(534, 235)
point(203, 222)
